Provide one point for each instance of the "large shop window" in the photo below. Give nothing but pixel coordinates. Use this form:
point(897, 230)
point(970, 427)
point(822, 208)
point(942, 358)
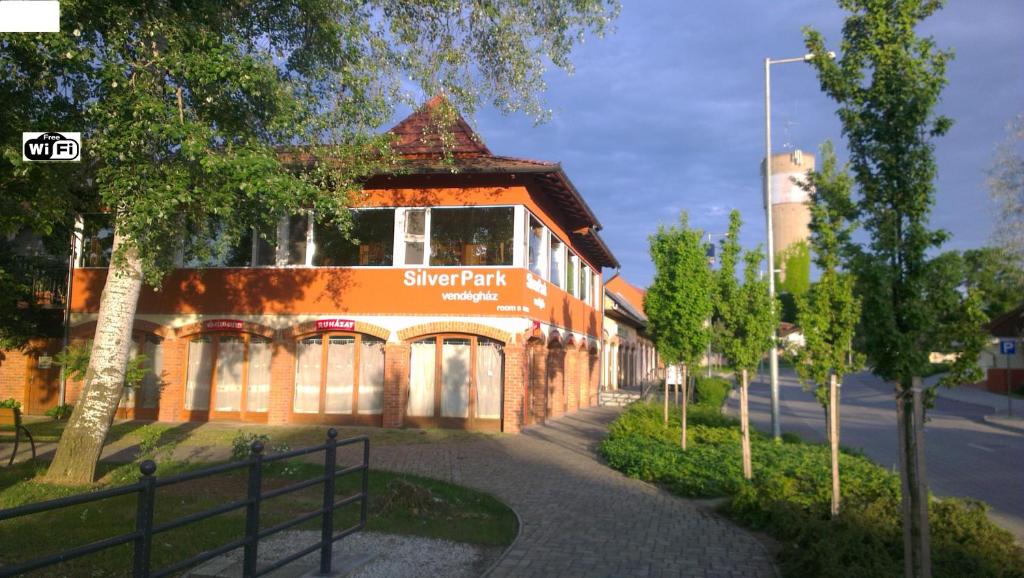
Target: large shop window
point(472, 236)
point(456, 381)
point(339, 374)
point(97, 241)
point(147, 395)
point(557, 260)
point(368, 243)
point(228, 372)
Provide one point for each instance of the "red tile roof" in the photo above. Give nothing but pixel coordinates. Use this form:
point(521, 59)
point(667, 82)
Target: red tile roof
point(634, 294)
point(422, 133)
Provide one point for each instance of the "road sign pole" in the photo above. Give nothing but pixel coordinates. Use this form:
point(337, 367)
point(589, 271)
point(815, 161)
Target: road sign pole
point(1009, 390)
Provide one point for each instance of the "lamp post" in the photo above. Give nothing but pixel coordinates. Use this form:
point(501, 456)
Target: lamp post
point(773, 355)
point(711, 262)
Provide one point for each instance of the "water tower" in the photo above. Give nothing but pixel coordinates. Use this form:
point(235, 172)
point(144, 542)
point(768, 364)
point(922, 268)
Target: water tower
point(791, 211)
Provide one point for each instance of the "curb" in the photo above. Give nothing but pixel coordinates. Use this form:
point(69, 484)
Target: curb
point(519, 533)
point(1014, 423)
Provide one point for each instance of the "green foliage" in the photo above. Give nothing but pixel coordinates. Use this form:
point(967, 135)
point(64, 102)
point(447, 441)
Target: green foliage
point(241, 445)
point(1006, 188)
point(992, 272)
point(828, 314)
point(748, 316)
point(61, 412)
point(796, 262)
point(678, 303)
point(10, 402)
point(789, 498)
point(710, 392)
point(75, 360)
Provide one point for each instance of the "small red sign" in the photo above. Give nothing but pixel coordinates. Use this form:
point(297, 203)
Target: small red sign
point(223, 325)
point(335, 325)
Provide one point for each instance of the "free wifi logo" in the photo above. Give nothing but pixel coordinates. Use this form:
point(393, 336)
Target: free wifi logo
point(51, 146)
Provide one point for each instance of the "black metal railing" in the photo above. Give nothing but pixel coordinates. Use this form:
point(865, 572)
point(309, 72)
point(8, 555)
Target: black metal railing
point(145, 529)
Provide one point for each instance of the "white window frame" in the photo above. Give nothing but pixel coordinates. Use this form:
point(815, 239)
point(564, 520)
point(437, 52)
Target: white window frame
point(545, 245)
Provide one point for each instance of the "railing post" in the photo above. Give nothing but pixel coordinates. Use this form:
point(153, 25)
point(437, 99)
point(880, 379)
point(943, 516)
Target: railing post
point(144, 519)
point(366, 483)
point(252, 510)
point(327, 522)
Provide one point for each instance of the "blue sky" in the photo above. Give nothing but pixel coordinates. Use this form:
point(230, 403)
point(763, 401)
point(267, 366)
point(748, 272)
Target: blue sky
point(667, 113)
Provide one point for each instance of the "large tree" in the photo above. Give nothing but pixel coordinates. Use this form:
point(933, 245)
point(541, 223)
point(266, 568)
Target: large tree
point(748, 318)
point(887, 83)
point(1006, 187)
point(185, 109)
point(828, 313)
point(678, 303)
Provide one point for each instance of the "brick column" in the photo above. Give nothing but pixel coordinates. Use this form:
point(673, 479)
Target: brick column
point(174, 372)
point(571, 380)
point(396, 382)
point(538, 382)
point(512, 390)
point(594, 382)
point(556, 381)
point(282, 382)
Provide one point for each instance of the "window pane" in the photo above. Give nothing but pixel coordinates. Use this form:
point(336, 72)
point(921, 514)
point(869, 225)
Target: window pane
point(415, 225)
point(230, 358)
point(307, 375)
point(266, 250)
point(341, 351)
point(421, 378)
point(129, 394)
point(97, 241)
point(371, 376)
point(556, 259)
point(149, 392)
point(474, 236)
point(258, 393)
point(584, 283)
point(488, 379)
point(570, 275)
point(297, 225)
point(373, 228)
point(200, 367)
point(536, 241)
point(455, 360)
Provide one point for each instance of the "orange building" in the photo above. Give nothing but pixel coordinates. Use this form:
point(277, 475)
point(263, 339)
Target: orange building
point(473, 299)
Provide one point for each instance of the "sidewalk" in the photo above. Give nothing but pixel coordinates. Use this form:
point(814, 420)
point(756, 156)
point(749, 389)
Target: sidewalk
point(996, 403)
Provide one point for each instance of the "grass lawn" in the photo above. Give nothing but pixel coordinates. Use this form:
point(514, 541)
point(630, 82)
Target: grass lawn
point(198, 434)
point(400, 504)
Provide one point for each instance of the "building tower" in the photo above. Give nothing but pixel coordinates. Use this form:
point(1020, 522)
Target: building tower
point(791, 211)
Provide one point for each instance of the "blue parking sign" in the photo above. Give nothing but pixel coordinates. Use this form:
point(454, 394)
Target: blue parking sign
point(1007, 346)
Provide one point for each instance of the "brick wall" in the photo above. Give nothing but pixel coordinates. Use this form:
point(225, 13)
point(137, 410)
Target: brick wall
point(13, 375)
point(594, 383)
point(396, 382)
point(572, 380)
point(515, 372)
point(556, 381)
point(538, 382)
point(172, 394)
point(282, 382)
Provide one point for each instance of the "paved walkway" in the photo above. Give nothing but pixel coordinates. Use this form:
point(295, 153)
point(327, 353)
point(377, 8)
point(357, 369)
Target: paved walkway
point(580, 517)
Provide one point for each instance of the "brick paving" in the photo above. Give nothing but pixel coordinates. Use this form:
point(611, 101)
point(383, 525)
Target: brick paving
point(580, 517)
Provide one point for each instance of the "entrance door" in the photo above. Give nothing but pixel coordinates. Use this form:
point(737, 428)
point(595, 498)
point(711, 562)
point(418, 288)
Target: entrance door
point(455, 381)
point(42, 378)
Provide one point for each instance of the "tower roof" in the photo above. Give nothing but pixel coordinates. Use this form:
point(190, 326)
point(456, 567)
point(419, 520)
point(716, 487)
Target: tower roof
point(421, 134)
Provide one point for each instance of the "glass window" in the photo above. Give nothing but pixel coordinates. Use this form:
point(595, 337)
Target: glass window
point(230, 359)
point(421, 378)
point(258, 393)
point(369, 243)
point(307, 375)
point(472, 236)
point(488, 379)
point(371, 376)
point(209, 248)
point(298, 226)
point(97, 241)
point(557, 260)
point(149, 392)
point(455, 364)
point(584, 282)
point(415, 235)
point(536, 247)
point(200, 368)
point(571, 278)
point(266, 248)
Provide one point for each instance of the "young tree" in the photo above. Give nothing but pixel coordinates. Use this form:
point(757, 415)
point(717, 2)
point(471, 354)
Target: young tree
point(679, 301)
point(887, 83)
point(828, 313)
point(185, 110)
point(748, 319)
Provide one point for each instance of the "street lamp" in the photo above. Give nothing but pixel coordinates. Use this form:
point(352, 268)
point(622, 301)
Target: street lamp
point(773, 355)
point(711, 262)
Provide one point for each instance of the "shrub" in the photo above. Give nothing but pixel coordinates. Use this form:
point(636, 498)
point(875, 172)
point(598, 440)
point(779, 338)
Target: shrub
point(790, 496)
point(711, 392)
point(10, 402)
point(241, 445)
point(61, 412)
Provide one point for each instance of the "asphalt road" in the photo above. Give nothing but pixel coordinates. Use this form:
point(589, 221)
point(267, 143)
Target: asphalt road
point(964, 455)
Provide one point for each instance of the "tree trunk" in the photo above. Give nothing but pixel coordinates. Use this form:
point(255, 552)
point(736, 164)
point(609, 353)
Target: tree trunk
point(675, 388)
point(665, 411)
point(748, 470)
point(82, 441)
point(916, 538)
point(686, 392)
point(833, 435)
